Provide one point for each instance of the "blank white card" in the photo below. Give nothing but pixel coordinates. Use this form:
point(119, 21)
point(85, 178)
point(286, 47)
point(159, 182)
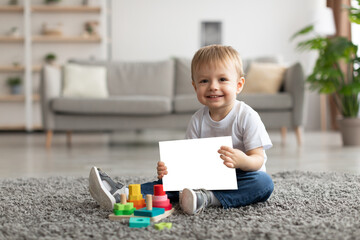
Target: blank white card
point(195, 163)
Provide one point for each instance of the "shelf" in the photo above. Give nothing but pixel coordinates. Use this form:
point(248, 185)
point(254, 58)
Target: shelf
point(66, 39)
point(11, 9)
point(17, 98)
point(66, 9)
point(18, 127)
point(9, 39)
point(18, 69)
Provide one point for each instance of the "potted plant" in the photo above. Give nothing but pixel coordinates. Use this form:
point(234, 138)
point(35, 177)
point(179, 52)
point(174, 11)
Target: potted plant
point(337, 72)
point(50, 58)
point(51, 1)
point(15, 84)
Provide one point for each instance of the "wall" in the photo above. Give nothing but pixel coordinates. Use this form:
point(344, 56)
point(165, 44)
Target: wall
point(159, 29)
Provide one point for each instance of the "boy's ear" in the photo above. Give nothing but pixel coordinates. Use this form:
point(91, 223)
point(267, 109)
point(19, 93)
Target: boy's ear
point(240, 85)
point(194, 85)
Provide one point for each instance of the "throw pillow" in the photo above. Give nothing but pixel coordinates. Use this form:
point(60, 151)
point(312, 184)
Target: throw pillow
point(264, 78)
point(85, 81)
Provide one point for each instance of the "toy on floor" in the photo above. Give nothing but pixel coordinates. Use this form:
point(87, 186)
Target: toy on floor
point(149, 211)
point(135, 196)
point(123, 208)
point(161, 226)
point(160, 199)
point(126, 210)
point(139, 222)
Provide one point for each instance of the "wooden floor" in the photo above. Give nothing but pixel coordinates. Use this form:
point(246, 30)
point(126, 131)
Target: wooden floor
point(25, 155)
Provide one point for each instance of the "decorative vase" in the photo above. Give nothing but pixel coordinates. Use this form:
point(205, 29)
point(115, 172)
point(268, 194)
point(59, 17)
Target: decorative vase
point(350, 131)
point(16, 89)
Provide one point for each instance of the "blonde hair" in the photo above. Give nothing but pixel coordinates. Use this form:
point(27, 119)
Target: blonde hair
point(214, 55)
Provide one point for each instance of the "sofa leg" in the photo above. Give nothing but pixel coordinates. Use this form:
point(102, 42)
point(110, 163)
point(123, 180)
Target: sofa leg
point(49, 135)
point(283, 135)
point(68, 138)
point(298, 131)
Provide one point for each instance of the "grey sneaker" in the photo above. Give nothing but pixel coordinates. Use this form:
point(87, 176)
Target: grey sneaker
point(194, 201)
point(103, 189)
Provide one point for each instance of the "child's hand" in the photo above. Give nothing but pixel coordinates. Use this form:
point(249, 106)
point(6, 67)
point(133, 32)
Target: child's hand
point(233, 158)
point(252, 160)
point(161, 170)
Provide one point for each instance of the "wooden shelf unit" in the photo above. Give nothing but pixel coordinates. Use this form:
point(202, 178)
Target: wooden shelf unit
point(66, 39)
point(18, 127)
point(18, 69)
point(10, 39)
point(11, 9)
point(66, 9)
point(28, 12)
point(18, 98)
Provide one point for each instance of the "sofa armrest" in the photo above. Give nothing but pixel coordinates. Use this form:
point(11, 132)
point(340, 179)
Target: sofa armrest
point(295, 85)
point(50, 87)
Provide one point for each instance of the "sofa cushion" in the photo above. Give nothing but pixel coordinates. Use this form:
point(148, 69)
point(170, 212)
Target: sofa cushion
point(141, 78)
point(186, 103)
point(153, 78)
point(280, 101)
point(264, 78)
point(132, 105)
point(183, 76)
point(85, 81)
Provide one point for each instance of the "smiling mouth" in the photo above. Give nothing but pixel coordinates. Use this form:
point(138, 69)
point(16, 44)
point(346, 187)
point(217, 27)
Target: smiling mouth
point(214, 96)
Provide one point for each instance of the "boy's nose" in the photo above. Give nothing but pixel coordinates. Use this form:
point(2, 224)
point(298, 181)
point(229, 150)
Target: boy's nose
point(214, 85)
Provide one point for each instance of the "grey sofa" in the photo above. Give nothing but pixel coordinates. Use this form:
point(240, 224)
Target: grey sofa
point(151, 95)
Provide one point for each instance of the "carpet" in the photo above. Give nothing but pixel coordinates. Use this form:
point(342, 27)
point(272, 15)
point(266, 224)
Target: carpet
point(304, 205)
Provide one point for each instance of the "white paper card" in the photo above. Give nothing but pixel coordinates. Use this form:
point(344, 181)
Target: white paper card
point(195, 163)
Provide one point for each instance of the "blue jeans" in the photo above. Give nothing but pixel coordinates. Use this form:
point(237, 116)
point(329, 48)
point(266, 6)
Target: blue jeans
point(253, 187)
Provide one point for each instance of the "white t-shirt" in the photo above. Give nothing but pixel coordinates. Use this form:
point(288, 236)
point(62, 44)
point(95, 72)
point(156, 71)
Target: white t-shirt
point(242, 123)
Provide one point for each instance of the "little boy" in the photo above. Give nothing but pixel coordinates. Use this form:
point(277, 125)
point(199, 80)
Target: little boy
point(217, 77)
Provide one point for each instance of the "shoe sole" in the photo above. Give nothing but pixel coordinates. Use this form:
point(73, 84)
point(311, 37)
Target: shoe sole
point(188, 201)
point(99, 192)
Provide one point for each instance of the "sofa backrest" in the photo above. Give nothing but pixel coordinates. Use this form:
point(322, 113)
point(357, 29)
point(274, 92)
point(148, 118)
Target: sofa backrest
point(155, 78)
point(183, 79)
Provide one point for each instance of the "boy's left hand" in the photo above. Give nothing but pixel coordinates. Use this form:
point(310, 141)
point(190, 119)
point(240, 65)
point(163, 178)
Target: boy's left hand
point(233, 158)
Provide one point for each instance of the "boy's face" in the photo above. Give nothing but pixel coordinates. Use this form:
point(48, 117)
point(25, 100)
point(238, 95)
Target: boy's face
point(217, 86)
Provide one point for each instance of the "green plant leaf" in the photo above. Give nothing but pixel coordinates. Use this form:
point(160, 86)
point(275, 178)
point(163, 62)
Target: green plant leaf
point(303, 31)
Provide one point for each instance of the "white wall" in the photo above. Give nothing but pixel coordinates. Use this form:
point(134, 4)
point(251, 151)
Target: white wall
point(159, 29)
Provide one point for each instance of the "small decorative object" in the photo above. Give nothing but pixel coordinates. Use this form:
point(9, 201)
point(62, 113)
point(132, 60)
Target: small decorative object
point(50, 58)
point(14, 32)
point(51, 1)
point(15, 84)
point(211, 33)
point(91, 28)
point(52, 30)
point(13, 2)
point(89, 2)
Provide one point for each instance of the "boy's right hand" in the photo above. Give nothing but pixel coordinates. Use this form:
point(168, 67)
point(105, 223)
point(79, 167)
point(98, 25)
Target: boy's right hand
point(161, 170)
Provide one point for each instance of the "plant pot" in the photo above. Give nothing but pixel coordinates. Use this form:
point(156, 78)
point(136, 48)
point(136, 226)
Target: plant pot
point(15, 89)
point(350, 131)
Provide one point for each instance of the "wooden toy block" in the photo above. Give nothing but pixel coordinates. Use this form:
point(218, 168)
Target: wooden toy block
point(149, 211)
point(135, 196)
point(159, 190)
point(162, 216)
point(160, 198)
point(161, 226)
point(137, 222)
point(113, 217)
point(123, 208)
